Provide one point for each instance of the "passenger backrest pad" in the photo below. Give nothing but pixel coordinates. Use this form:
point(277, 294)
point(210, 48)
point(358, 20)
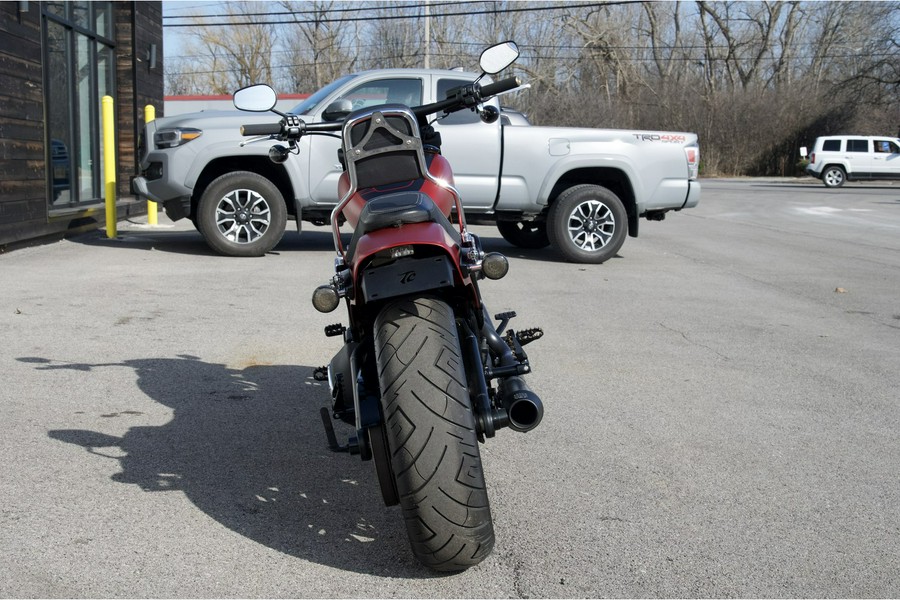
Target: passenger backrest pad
point(382, 146)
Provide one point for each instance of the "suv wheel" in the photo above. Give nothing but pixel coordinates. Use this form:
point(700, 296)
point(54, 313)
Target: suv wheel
point(834, 176)
point(242, 214)
point(587, 224)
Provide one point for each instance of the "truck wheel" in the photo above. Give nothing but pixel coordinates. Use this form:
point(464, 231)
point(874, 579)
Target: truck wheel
point(430, 429)
point(524, 234)
point(834, 176)
point(242, 214)
point(587, 224)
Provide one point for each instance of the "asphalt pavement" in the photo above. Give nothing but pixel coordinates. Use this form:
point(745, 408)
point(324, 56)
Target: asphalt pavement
point(722, 407)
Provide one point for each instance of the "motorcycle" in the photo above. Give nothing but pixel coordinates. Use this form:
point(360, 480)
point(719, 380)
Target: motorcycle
point(424, 374)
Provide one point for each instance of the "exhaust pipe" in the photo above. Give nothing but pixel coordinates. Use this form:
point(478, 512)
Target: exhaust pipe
point(523, 409)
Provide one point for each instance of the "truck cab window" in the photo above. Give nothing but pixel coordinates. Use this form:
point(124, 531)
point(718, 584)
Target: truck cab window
point(462, 117)
point(386, 91)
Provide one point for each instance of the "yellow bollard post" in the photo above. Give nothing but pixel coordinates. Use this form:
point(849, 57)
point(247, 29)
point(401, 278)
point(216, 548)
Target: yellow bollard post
point(152, 209)
point(109, 165)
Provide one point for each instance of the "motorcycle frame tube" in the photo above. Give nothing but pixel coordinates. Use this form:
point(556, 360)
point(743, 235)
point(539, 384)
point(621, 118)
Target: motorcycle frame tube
point(495, 342)
point(478, 386)
point(366, 406)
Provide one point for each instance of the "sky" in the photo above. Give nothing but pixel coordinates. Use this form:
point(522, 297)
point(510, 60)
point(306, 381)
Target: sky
point(173, 36)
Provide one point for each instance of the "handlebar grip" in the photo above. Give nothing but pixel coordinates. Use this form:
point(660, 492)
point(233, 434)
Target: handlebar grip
point(504, 85)
point(261, 129)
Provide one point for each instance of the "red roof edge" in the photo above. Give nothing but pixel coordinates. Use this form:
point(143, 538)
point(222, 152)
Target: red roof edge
point(228, 97)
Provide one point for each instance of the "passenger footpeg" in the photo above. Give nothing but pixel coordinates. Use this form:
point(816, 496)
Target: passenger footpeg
point(334, 330)
point(516, 339)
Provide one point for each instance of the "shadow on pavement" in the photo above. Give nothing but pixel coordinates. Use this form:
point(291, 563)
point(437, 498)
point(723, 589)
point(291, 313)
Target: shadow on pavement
point(247, 447)
point(189, 241)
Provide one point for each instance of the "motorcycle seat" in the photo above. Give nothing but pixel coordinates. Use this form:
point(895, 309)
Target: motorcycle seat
point(399, 208)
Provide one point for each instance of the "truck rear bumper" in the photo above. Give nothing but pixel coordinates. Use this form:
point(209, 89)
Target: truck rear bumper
point(693, 195)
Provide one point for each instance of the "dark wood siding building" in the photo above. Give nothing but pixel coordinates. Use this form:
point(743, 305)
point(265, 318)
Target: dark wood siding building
point(57, 60)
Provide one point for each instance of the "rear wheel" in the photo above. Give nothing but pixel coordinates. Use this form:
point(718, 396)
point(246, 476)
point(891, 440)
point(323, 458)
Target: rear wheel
point(587, 224)
point(430, 429)
point(834, 176)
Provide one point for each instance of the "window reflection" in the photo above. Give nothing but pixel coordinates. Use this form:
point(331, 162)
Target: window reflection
point(80, 70)
point(58, 113)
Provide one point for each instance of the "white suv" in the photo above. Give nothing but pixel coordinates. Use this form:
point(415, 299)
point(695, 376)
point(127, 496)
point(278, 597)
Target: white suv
point(839, 158)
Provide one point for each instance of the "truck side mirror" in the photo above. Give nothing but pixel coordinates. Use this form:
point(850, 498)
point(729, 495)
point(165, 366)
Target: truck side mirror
point(337, 110)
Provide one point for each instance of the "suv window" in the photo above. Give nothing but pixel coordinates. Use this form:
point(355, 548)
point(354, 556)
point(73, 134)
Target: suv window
point(831, 146)
point(857, 145)
point(886, 147)
point(386, 91)
point(461, 117)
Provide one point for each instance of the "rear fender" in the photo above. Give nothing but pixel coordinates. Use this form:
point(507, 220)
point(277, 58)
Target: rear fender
point(433, 265)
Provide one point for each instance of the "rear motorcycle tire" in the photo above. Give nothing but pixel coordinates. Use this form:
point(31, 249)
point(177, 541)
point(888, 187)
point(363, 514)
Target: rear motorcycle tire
point(431, 434)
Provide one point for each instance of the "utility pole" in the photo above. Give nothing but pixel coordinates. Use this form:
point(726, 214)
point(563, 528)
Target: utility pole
point(427, 34)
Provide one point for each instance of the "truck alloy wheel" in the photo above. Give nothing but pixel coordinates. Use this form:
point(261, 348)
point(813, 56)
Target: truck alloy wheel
point(587, 224)
point(242, 214)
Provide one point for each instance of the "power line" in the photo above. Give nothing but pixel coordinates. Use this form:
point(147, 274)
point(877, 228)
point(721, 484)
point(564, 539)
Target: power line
point(492, 11)
point(697, 59)
point(312, 11)
point(675, 53)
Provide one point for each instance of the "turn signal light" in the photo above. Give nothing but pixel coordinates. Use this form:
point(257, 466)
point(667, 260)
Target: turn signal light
point(494, 265)
point(175, 136)
point(325, 298)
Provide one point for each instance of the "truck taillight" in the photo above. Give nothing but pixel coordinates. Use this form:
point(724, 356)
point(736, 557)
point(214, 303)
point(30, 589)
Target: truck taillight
point(692, 153)
point(812, 158)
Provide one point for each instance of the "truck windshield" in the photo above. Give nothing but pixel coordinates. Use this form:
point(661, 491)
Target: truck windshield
point(309, 105)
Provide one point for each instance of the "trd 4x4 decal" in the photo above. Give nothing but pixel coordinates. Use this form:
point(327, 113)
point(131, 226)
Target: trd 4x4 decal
point(666, 138)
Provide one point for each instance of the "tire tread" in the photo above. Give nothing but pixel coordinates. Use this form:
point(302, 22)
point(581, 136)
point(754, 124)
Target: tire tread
point(431, 434)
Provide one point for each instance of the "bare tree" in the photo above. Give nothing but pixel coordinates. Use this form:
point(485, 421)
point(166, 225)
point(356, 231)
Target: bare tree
point(755, 79)
point(225, 59)
point(319, 45)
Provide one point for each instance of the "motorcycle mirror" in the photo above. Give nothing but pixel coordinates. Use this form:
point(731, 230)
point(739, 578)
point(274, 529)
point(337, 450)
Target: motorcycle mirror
point(489, 114)
point(255, 98)
point(498, 57)
point(337, 110)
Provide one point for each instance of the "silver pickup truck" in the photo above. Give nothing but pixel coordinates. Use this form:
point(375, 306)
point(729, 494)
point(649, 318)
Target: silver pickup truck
point(580, 190)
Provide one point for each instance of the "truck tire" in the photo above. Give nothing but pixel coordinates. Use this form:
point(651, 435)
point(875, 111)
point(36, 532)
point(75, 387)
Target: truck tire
point(431, 434)
point(242, 214)
point(587, 224)
point(524, 234)
point(833, 176)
